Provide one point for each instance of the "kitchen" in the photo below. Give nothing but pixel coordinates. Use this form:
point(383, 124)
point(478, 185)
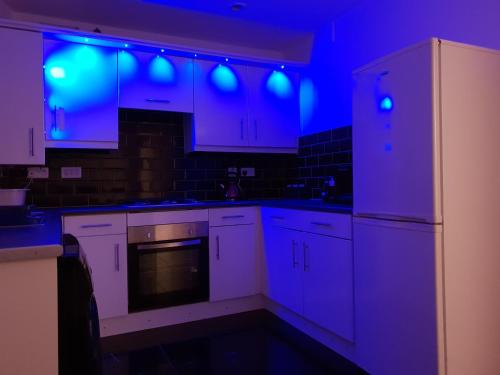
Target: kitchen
point(403, 331)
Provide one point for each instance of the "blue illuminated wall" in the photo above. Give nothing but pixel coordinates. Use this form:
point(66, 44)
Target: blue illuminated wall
point(375, 28)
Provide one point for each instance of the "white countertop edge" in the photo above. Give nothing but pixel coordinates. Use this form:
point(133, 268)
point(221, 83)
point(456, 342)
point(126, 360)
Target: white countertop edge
point(16, 254)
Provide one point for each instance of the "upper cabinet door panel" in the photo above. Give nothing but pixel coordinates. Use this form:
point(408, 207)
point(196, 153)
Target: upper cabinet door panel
point(274, 119)
point(21, 90)
point(220, 104)
point(81, 92)
point(154, 81)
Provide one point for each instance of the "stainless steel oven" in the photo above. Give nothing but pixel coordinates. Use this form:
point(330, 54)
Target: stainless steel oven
point(167, 265)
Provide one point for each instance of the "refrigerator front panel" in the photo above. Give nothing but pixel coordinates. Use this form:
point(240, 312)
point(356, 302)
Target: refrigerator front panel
point(396, 315)
point(395, 159)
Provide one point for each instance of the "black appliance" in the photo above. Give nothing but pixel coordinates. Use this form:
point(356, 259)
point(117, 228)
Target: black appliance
point(79, 336)
point(167, 265)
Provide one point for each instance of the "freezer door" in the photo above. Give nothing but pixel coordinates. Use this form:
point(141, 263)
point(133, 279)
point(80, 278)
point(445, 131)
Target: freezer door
point(395, 297)
point(395, 144)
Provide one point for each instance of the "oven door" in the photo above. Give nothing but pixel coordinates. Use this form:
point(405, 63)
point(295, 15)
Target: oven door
point(167, 273)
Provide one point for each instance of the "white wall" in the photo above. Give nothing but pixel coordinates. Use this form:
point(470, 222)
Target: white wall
point(375, 28)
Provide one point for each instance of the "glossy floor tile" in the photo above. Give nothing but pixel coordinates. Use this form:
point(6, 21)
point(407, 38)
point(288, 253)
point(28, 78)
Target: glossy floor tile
point(262, 347)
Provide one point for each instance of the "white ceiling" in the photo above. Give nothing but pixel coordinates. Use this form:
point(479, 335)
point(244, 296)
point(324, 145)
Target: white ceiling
point(261, 24)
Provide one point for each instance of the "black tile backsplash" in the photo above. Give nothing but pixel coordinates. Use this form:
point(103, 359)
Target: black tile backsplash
point(150, 164)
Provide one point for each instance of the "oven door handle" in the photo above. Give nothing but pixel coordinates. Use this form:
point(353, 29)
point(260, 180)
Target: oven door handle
point(168, 245)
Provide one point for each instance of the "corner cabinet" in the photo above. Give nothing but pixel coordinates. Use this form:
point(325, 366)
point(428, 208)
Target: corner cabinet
point(21, 89)
point(155, 81)
point(308, 266)
point(241, 108)
point(81, 95)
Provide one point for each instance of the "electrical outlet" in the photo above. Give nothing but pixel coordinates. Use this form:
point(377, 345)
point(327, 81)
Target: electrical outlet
point(71, 172)
point(38, 172)
point(248, 172)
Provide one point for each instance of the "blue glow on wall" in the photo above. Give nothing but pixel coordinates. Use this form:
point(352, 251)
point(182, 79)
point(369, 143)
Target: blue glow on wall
point(224, 78)
point(386, 104)
point(127, 66)
point(308, 101)
point(161, 70)
point(279, 84)
point(77, 77)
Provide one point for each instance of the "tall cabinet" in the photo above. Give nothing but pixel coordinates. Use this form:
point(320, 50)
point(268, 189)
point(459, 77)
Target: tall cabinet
point(21, 90)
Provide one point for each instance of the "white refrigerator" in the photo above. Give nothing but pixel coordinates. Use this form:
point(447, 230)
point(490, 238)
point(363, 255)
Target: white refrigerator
point(426, 163)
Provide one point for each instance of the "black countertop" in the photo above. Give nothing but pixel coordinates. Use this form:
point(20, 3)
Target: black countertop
point(39, 241)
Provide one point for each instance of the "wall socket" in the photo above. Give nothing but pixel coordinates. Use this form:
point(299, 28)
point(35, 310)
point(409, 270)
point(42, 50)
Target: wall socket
point(248, 172)
point(71, 172)
point(38, 172)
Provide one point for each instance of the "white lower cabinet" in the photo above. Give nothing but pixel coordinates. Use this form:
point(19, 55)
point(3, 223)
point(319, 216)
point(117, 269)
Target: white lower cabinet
point(310, 274)
point(233, 262)
point(103, 241)
point(328, 283)
point(107, 258)
point(283, 267)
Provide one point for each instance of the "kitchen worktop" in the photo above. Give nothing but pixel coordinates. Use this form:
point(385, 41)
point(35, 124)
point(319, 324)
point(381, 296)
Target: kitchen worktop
point(32, 241)
point(44, 240)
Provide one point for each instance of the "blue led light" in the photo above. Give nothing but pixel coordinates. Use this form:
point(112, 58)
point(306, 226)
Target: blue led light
point(127, 66)
point(162, 50)
point(161, 70)
point(224, 78)
point(57, 72)
point(388, 147)
point(386, 104)
point(77, 77)
point(279, 84)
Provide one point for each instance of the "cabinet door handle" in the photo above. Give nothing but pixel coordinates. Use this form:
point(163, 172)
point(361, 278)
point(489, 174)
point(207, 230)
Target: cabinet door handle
point(233, 217)
point(294, 258)
point(277, 217)
point(242, 136)
point(255, 128)
point(217, 251)
point(318, 223)
point(153, 100)
point(32, 143)
point(89, 226)
point(117, 257)
point(306, 265)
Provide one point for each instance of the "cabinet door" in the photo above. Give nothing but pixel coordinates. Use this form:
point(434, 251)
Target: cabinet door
point(233, 262)
point(107, 258)
point(155, 81)
point(274, 119)
point(81, 95)
point(283, 267)
point(21, 89)
point(328, 283)
point(220, 104)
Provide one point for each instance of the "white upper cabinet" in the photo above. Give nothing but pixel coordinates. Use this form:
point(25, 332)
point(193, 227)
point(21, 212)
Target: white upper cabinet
point(81, 95)
point(21, 89)
point(241, 108)
point(274, 118)
point(220, 106)
point(155, 81)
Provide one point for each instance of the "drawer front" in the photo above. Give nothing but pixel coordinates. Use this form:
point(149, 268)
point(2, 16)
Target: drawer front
point(329, 224)
point(232, 216)
point(283, 218)
point(95, 225)
point(166, 217)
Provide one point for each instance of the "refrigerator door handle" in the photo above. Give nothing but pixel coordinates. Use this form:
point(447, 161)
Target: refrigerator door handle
point(369, 215)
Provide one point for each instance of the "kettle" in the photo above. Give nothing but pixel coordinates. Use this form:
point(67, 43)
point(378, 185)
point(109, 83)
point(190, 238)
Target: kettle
point(232, 189)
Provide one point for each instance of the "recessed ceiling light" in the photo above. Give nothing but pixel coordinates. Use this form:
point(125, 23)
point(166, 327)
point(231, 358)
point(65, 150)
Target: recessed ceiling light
point(238, 6)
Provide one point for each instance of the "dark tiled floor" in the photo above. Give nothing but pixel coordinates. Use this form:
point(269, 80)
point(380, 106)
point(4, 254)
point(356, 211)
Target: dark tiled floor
point(252, 343)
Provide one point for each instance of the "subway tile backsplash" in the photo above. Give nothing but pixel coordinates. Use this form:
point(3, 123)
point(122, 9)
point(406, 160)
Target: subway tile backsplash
point(150, 164)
